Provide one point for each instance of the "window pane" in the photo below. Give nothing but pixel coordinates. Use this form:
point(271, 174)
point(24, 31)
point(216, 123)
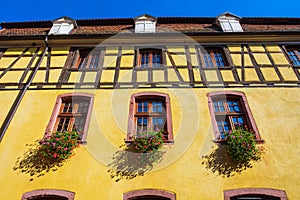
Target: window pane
point(156, 59)
point(219, 106)
point(219, 59)
point(238, 121)
point(233, 106)
point(150, 58)
point(157, 106)
point(293, 57)
point(207, 60)
point(223, 127)
point(142, 123)
point(79, 124)
point(157, 123)
point(145, 59)
point(143, 106)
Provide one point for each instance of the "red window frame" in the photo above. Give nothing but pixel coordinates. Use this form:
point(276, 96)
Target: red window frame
point(57, 113)
point(229, 116)
point(150, 58)
point(274, 193)
point(41, 194)
point(213, 57)
point(87, 58)
point(134, 115)
point(142, 194)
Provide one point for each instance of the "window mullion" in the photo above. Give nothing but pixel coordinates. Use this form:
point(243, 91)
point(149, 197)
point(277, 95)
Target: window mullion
point(150, 59)
point(71, 123)
point(230, 119)
point(213, 58)
point(88, 60)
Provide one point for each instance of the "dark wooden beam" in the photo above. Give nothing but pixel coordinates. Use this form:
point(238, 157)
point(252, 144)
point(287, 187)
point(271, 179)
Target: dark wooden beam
point(117, 68)
point(48, 64)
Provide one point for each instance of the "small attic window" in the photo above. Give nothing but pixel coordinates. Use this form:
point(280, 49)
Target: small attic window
point(229, 23)
point(145, 24)
point(62, 26)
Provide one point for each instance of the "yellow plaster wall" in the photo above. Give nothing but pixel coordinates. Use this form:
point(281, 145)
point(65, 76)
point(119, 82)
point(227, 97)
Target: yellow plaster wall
point(227, 75)
point(86, 172)
point(179, 60)
point(12, 77)
point(273, 48)
point(127, 61)
point(107, 75)
point(275, 111)
point(262, 59)
point(287, 73)
point(110, 61)
point(256, 48)
point(279, 59)
point(269, 74)
point(184, 74)
point(172, 75)
point(211, 75)
point(90, 77)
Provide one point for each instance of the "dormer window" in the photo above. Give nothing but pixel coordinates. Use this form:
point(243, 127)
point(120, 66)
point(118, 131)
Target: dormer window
point(229, 22)
point(145, 24)
point(62, 26)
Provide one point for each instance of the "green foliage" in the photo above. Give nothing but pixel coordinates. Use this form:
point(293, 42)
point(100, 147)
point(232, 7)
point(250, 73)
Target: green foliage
point(148, 141)
point(59, 145)
point(242, 145)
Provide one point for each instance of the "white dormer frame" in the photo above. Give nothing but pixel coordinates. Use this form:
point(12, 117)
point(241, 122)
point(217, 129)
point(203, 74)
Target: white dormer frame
point(229, 22)
point(145, 24)
point(62, 26)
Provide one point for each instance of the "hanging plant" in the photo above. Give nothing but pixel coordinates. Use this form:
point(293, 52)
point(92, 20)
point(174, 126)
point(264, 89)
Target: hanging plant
point(242, 145)
point(148, 141)
point(59, 145)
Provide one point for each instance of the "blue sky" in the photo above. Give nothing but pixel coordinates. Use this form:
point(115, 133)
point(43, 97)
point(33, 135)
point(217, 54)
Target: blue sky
point(35, 10)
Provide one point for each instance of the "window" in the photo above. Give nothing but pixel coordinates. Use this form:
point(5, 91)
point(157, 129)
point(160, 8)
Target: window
point(229, 110)
point(150, 58)
point(145, 27)
point(254, 194)
point(145, 24)
point(62, 25)
point(48, 195)
point(71, 112)
point(63, 28)
point(230, 25)
point(213, 58)
point(150, 110)
point(149, 195)
point(87, 58)
point(229, 22)
point(294, 55)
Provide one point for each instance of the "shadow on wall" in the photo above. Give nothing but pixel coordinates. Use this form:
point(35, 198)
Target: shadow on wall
point(221, 162)
point(127, 164)
point(34, 163)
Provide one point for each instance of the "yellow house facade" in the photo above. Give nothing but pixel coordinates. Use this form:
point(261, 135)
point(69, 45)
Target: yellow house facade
point(196, 79)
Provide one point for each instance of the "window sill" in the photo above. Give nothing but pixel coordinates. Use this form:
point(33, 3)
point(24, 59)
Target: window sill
point(224, 141)
point(169, 142)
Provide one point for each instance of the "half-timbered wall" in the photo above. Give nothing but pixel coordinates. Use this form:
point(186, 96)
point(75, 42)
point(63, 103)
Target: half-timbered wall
point(183, 66)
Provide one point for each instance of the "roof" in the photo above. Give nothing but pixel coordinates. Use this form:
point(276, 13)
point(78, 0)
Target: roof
point(182, 24)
